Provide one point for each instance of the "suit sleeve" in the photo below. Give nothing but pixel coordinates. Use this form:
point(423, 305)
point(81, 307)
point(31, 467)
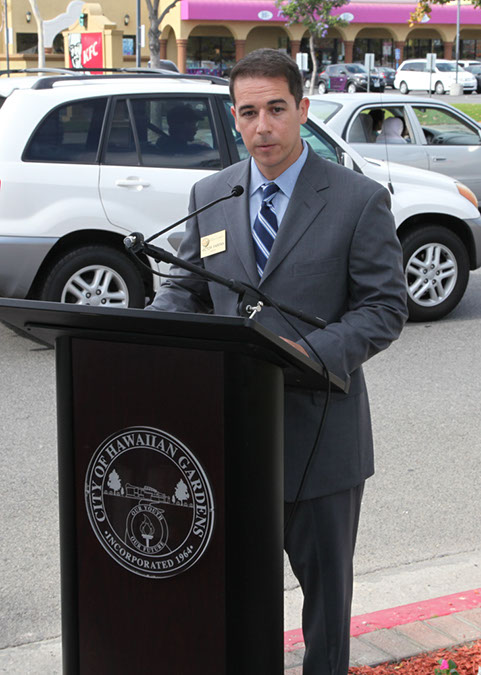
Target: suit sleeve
point(376, 310)
point(189, 293)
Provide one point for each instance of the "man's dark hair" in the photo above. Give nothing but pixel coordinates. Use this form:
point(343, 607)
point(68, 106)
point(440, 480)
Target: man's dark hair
point(269, 63)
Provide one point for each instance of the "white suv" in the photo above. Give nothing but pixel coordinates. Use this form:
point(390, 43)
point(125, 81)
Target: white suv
point(86, 161)
point(414, 74)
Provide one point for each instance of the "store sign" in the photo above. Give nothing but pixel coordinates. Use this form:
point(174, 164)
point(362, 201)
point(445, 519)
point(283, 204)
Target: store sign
point(85, 50)
point(265, 15)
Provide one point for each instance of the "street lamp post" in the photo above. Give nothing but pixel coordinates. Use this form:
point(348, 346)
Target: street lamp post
point(458, 13)
point(7, 36)
point(137, 41)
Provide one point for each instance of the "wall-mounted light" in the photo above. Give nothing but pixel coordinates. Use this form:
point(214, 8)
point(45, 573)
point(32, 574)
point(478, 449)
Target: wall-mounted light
point(127, 19)
point(28, 16)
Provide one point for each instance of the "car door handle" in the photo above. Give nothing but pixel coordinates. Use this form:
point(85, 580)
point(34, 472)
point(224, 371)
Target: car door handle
point(132, 182)
point(439, 159)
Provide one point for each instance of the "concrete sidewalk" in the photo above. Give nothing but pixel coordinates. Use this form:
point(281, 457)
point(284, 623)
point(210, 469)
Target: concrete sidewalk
point(369, 648)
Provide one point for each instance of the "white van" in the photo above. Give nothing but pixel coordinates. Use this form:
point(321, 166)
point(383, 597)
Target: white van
point(414, 74)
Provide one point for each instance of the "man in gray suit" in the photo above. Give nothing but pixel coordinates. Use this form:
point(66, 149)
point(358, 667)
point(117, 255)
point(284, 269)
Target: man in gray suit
point(321, 238)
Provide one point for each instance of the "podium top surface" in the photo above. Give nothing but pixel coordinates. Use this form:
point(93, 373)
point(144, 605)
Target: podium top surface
point(47, 321)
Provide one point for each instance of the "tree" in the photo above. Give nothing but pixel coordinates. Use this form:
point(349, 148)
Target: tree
point(154, 29)
point(316, 16)
point(114, 481)
point(41, 42)
point(181, 491)
point(423, 9)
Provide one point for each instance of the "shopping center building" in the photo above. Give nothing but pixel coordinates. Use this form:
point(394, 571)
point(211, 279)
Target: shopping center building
point(211, 35)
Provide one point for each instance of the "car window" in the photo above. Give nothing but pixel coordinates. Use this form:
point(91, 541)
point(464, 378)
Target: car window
point(370, 126)
point(321, 145)
point(447, 67)
point(239, 143)
point(355, 68)
point(324, 110)
point(69, 133)
point(167, 132)
point(442, 127)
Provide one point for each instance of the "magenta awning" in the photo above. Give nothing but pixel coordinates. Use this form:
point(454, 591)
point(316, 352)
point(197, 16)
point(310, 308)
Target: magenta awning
point(375, 13)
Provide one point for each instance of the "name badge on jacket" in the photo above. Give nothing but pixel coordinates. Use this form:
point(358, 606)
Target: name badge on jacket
point(212, 243)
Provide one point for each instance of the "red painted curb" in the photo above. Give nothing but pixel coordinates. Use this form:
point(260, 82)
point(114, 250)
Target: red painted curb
point(398, 616)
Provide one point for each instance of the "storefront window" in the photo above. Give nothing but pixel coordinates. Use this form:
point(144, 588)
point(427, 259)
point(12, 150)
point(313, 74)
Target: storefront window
point(210, 55)
point(417, 49)
point(328, 50)
point(382, 48)
point(470, 49)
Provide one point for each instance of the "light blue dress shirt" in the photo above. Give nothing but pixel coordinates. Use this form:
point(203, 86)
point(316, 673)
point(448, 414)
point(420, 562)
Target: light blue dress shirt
point(286, 183)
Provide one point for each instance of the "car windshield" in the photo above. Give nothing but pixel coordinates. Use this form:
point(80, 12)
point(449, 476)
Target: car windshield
point(474, 69)
point(354, 68)
point(447, 67)
point(323, 110)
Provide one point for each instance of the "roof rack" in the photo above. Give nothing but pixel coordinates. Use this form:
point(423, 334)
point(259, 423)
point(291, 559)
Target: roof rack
point(90, 74)
point(58, 71)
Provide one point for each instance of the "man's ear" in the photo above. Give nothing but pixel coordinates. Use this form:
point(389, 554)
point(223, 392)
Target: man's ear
point(303, 109)
point(232, 109)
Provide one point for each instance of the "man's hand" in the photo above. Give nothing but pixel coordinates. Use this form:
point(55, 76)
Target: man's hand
point(294, 344)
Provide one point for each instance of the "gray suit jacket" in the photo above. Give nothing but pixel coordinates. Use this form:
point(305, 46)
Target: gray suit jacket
point(336, 256)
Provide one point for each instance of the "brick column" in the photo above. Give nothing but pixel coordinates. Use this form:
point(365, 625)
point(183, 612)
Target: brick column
point(348, 49)
point(295, 48)
point(240, 49)
point(448, 50)
point(163, 49)
point(182, 54)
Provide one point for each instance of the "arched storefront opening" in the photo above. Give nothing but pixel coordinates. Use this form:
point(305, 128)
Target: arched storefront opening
point(329, 49)
point(422, 42)
point(375, 41)
point(210, 50)
point(274, 37)
point(470, 45)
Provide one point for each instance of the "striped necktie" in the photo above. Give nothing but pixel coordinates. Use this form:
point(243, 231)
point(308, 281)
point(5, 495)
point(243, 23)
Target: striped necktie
point(265, 226)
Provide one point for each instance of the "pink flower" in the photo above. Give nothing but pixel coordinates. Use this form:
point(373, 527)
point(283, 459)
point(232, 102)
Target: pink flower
point(444, 665)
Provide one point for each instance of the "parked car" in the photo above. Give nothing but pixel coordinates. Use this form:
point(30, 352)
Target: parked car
point(88, 164)
point(465, 63)
point(350, 77)
point(476, 71)
point(414, 75)
point(386, 75)
point(436, 136)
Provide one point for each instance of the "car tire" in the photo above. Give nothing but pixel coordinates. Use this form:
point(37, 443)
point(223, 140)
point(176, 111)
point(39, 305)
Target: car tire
point(351, 88)
point(439, 88)
point(436, 268)
point(95, 275)
point(322, 87)
point(403, 88)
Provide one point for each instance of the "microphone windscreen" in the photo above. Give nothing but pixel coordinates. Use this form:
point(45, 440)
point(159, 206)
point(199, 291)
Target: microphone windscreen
point(237, 190)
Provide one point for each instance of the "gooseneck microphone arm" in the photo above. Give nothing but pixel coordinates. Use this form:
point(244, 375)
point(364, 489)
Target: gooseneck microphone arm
point(237, 191)
point(248, 295)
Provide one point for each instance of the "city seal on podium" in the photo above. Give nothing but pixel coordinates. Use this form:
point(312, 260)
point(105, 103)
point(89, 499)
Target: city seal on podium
point(149, 502)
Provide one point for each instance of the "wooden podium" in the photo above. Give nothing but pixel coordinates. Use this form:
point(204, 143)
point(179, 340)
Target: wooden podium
point(170, 444)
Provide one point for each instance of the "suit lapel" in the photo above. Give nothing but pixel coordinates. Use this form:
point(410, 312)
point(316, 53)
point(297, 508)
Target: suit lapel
point(236, 214)
point(304, 206)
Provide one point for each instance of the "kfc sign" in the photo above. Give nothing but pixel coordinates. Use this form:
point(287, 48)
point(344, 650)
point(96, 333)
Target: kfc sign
point(85, 50)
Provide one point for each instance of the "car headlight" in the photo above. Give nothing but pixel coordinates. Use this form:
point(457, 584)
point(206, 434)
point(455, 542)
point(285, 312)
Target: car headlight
point(466, 192)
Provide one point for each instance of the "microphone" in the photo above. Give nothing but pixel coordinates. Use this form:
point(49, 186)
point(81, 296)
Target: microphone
point(237, 191)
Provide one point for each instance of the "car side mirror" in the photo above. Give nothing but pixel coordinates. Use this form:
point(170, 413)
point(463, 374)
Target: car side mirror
point(342, 72)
